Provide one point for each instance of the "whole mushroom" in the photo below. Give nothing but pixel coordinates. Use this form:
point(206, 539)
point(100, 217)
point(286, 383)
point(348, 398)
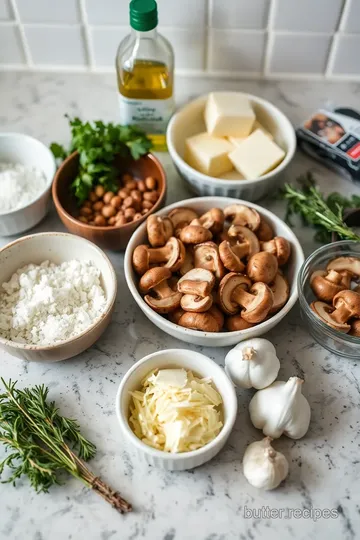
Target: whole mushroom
point(265, 231)
point(281, 292)
point(159, 230)
point(231, 256)
point(279, 247)
point(206, 255)
point(236, 322)
point(246, 241)
point(195, 234)
point(346, 304)
point(326, 284)
point(262, 266)
point(163, 298)
point(206, 322)
point(172, 255)
point(180, 217)
point(212, 220)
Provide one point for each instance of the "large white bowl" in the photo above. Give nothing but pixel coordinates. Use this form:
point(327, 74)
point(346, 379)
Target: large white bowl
point(189, 121)
point(220, 339)
point(25, 150)
point(200, 365)
point(57, 248)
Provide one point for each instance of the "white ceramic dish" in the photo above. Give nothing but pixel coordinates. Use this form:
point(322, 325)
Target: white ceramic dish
point(23, 149)
point(221, 339)
point(58, 247)
point(199, 364)
point(189, 121)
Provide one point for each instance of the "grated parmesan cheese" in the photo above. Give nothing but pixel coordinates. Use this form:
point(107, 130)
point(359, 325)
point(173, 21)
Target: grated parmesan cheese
point(47, 303)
point(19, 185)
point(176, 411)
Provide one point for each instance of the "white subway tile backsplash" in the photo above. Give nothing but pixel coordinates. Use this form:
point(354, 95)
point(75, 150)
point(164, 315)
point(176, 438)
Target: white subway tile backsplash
point(236, 50)
point(352, 21)
point(11, 51)
point(114, 12)
point(46, 11)
point(55, 45)
point(347, 57)
point(189, 47)
point(299, 53)
point(307, 15)
point(240, 14)
point(105, 42)
point(182, 13)
point(6, 13)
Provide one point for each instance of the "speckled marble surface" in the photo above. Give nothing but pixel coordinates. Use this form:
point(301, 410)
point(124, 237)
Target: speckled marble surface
point(213, 502)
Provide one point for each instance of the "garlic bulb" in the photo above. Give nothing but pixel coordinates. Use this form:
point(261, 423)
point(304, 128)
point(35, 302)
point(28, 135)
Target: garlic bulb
point(263, 467)
point(252, 363)
point(281, 408)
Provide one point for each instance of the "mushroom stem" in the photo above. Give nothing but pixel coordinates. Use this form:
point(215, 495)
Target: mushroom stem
point(341, 313)
point(163, 290)
point(334, 277)
point(198, 288)
point(159, 255)
point(241, 297)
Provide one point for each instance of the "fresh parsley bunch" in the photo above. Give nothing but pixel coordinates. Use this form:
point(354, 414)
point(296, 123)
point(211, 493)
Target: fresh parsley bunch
point(98, 144)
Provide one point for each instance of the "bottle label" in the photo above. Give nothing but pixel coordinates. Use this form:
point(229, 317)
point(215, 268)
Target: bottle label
point(152, 115)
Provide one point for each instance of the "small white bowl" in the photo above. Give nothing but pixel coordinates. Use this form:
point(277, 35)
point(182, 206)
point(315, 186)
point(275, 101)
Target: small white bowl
point(57, 248)
point(199, 365)
point(25, 150)
point(216, 339)
point(189, 121)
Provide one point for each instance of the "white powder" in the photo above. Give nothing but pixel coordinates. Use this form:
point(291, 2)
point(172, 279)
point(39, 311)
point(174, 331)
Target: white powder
point(43, 304)
point(19, 185)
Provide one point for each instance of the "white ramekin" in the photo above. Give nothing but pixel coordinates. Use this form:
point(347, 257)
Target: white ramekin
point(23, 149)
point(189, 120)
point(198, 364)
point(216, 339)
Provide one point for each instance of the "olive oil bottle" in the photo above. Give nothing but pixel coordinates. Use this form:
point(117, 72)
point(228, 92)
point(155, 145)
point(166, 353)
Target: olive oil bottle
point(145, 66)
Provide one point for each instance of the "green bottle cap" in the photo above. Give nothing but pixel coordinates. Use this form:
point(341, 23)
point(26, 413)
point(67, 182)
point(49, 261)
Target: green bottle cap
point(143, 15)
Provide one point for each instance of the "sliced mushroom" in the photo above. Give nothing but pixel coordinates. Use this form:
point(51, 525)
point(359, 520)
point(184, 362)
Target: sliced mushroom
point(279, 247)
point(347, 305)
point(236, 322)
point(349, 264)
point(256, 303)
point(180, 217)
point(355, 328)
point(206, 322)
point(207, 256)
point(195, 234)
point(263, 267)
point(281, 292)
point(163, 298)
point(196, 304)
point(265, 231)
point(230, 258)
point(212, 220)
point(198, 282)
point(239, 214)
point(188, 263)
point(324, 312)
point(172, 255)
point(159, 230)
point(326, 285)
point(247, 242)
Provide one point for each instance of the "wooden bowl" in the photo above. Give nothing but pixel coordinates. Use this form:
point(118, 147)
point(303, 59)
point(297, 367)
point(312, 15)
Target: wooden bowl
point(115, 237)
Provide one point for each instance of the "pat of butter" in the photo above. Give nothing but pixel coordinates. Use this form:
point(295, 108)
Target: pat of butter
point(257, 125)
point(256, 155)
point(208, 155)
point(232, 175)
point(228, 114)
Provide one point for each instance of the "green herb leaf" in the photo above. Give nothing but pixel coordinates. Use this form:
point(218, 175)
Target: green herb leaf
point(58, 151)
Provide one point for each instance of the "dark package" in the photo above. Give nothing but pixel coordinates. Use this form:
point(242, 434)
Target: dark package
point(333, 137)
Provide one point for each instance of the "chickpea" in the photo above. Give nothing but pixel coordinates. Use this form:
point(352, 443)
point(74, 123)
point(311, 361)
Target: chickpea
point(131, 185)
point(85, 211)
point(145, 211)
point(100, 221)
point(120, 213)
point(83, 219)
point(120, 221)
point(97, 214)
point(151, 196)
point(141, 186)
point(100, 191)
point(147, 204)
point(150, 183)
point(92, 196)
point(137, 216)
point(128, 202)
point(87, 204)
point(127, 178)
point(112, 220)
point(136, 194)
point(98, 206)
point(116, 201)
point(108, 211)
point(124, 192)
point(129, 213)
point(108, 196)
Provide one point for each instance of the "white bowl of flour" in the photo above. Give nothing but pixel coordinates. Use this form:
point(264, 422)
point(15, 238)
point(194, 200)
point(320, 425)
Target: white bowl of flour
point(57, 295)
point(27, 168)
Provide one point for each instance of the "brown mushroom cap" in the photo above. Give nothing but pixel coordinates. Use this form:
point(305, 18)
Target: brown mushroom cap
point(175, 315)
point(326, 285)
point(347, 305)
point(281, 292)
point(218, 316)
point(141, 259)
point(246, 239)
point(197, 281)
point(206, 255)
point(182, 215)
point(229, 257)
point(324, 311)
point(195, 234)
point(159, 230)
point(257, 302)
point(176, 253)
point(205, 322)
point(355, 328)
point(196, 304)
point(263, 267)
point(228, 284)
point(236, 322)
point(265, 231)
point(350, 264)
point(163, 298)
point(213, 220)
point(243, 215)
point(154, 277)
point(279, 247)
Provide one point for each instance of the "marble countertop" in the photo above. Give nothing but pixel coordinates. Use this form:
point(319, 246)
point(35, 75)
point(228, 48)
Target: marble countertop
point(213, 502)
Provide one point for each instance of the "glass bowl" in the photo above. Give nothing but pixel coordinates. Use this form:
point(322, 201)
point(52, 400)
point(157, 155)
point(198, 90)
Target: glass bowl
point(333, 340)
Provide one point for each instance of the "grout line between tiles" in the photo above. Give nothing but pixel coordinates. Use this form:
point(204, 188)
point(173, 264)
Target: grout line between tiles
point(209, 6)
point(332, 54)
point(24, 42)
point(344, 16)
point(269, 37)
point(86, 34)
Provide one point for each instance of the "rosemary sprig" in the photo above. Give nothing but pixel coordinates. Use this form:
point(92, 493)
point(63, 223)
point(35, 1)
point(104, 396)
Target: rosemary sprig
point(42, 443)
point(325, 214)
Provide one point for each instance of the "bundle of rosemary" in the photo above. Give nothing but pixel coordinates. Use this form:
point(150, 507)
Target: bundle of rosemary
point(42, 443)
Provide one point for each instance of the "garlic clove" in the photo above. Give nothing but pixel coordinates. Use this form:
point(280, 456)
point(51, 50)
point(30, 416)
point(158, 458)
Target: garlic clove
point(263, 466)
